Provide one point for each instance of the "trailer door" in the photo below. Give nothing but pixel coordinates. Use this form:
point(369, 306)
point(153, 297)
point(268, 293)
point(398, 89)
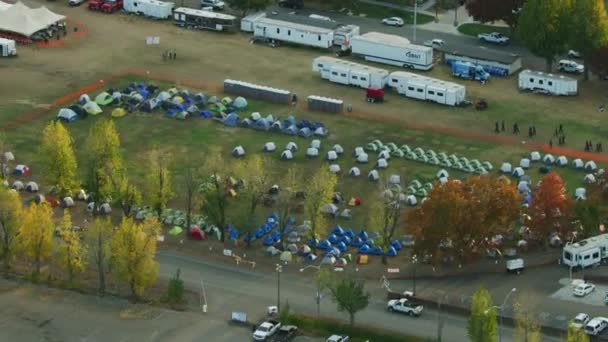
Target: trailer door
point(360, 79)
point(339, 75)
point(436, 94)
point(418, 91)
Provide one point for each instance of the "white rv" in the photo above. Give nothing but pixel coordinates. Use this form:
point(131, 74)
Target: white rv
point(344, 72)
point(426, 88)
point(149, 8)
point(547, 83)
point(586, 252)
point(202, 20)
point(7, 47)
point(393, 50)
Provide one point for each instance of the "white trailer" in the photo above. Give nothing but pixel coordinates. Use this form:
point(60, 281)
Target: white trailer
point(426, 88)
point(7, 47)
point(547, 83)
point(349, 73)
point(202, 20)
point(248, 21)
point(586, 252)
point(149, 8)
point(393, 50)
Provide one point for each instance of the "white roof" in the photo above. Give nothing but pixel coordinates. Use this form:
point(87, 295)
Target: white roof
point(583, 245)
point(205, 14)
point(530, 73)
point(426, 80)
point(388, 39)
point(350, 65)
point(27, 21)
point(294, 26)
point(4, 6)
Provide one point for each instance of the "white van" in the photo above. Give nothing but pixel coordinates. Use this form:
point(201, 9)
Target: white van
point(596, 326)
point(570, 66)
point(515, 265)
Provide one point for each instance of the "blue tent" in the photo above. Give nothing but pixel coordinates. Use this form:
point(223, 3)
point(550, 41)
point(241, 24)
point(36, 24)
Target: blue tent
point(268, 241)
point(289, 121)
point(276, 235)
point(324, 244)
point(206, 114)
point(396, 245)
point(349, 232)
point(363, 235)
point(261, 125)
point(273, 218)
point(337, 231)
point(342, 247)
point(376, 251)
point(364, 249)
point(231, 120)
point(332, 238)
point(291, 130)
point(312, 242)
point(357, 242)
point(305, 132)
point(346, 240)
point(304, 123)
point(171, 112)
point(258, 233)
point(391, 252)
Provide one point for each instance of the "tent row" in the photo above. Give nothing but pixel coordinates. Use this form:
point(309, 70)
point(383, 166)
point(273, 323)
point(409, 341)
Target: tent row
point(288, 126)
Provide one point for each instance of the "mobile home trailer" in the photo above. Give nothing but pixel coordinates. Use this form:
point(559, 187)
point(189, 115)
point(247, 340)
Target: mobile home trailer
point(393, 50)
point(202, 20)
point(149, 8)
point(586, 252)
point(547, 83)
point(349, 73)
point(426, 88)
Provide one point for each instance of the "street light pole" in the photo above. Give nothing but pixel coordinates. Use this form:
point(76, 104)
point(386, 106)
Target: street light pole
point(502, 308)
point(318, 295)
point(415, 17)
point(442, 296)
point(279, 269)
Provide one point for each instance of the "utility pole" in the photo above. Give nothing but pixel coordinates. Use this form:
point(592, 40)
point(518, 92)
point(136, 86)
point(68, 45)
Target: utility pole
point(279, 269)
point(415, 17)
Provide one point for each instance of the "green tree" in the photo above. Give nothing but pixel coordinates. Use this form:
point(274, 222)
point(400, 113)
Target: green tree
point(544, 28)
point(158, 181)
point(106, 171)
point(245, 6)
point(324, 281)
point(11, 214)
point(588, 215)
point(576, 334)
point(36, 235)
point(130, 197)
point(175, 290)
point(59, 161)
point(133, 248)
point(589, 29)
point(319, 191)
point(286, 200)
point(5, 163)
point(351, 297)
point(482, 322)
point(384, 216)
point(97, 238)
point(71, 252)
point(527, 326)
point(215, 200)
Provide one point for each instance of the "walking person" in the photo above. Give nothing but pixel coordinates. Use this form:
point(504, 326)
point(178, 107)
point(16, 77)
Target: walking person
point(550, 143)
point(556, 133)
point(530, 132)
point(496, 130)
point(534, 130)
point(294, 100)
point(502, 125)
point(561, 128)
point(515, 128)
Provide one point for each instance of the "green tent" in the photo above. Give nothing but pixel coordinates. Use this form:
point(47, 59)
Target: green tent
point(176, 230)
point(103, 99)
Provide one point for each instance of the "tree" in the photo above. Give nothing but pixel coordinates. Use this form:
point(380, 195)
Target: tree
point(384, 216)
point(544, 28)
point(5, 162)
point(589, 32)
point(246, 6)
point(133, 249)
point(551, 208)
point(482, 321)
point(598, 61)
point(527, 326)
point(350, 296)
point(11, 214)
point(257, 182)
point(318, 191)
point(98, 237)
point(36, 235)
point(158, 181)
point(215, 200)
point(489, 11)
point(324, 280)
point(71, 253)
point(106, 172)
point(175, 290)
point(130, 197)
point(588, 215)
point(191, 182)
point(286, 200)
point(58, 159)
point(576, 334)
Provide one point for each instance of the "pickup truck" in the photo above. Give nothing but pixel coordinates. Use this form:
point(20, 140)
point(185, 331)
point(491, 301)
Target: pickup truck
point(405, 306)
point(285, 334)
point(494, 37)
point(265, 330)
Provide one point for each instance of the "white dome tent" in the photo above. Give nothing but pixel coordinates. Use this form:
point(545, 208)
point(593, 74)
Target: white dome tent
point(358, 151)
point(316, 144)
point(312, 152)
point(534, 156)
point(331, 155)
point(524, 163)
point(601, 172)
point(286, 155)
point(9, 156)
point(291, 146)
point(339, 149)
point(411, 200)
point(18, 185)
point(270, 147)
point(334, 168)
point(394, 179)
point(354, 172)
point(373, 175)
point(548, 159)
point(384, 155)
point(518, 172)
point(362, 158)
point(561, 161)
point(238, 151)
point(589, 178)
point(67, 202)
point(578, 163)
point(442, 174)
point(580, 193)
point(255, 116)
point(443, 180)
point(382, 163)
point(506, 168)
point(31, 187)
point(590, 166)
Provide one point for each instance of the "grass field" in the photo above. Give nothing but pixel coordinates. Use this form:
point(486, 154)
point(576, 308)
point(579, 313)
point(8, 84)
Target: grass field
point(473, 29)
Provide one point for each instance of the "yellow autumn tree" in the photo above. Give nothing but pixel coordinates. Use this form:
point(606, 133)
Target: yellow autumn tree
point(97, 238)
point(158, 180)
point(133, 248)
point(11, 213)
point(59, 160)
point(319, 191)
point(36, 235)
point(71, 252)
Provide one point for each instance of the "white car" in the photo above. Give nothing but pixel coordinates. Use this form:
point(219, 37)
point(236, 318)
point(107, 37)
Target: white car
point(596, 326)
point(570, 66)
point(337, 338)
point(393, 21)
point(405, 306)
point(581, 290)
point(580, 320)
point(574, 54)
point(434, 43)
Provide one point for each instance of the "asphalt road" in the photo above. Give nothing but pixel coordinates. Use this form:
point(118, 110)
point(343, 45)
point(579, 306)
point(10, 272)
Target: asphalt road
point(239, 288)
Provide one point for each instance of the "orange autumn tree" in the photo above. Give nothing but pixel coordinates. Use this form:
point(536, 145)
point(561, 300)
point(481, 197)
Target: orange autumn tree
point(551, 208)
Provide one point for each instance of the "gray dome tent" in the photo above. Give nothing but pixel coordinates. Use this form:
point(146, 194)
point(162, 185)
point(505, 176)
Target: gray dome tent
point(331, 155)
point(270, 147)
point(548, 159)
point(39, 198)
point(561, 161)
point(18, 185)
point(358, 150)
point(334, 168)
point(292, 146)
point(384, 155)
point(411, 200)
point(287, 155)
point(518, 172)
point(506, 168)
point(238, 151)
point(382, 163)
point(580, 193)
point(240, 102)
point(394, 179)
point(338, 149)
point(362, 158)
point(373, 175)
point(105, 209)
point(590, 166)
point(67, 202)
point(316, 144)
point(354, 171)
point(31, 187)
point(578, 163)
point(589, 178)
point(442, 174)
point(312, 152)
point(524, 163)
point(255, 116)
point(535, 156)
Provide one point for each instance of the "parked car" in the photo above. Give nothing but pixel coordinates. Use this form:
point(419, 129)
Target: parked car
point(393, 21)
point(434, 43)
point(265, 330)
point(574, 54)
point(596, 326)
point(581, 290)
point(337, 338)
point(493, 37)
point(285, 333)
point(216, 4)
point(580, 320)
point(570, 66)
point(405, 306)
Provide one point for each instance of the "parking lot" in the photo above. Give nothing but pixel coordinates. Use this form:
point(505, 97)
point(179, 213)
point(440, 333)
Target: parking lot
point(594, 298)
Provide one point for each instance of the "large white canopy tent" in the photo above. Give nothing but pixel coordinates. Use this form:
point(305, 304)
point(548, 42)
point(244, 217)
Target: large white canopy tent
point(26, 21)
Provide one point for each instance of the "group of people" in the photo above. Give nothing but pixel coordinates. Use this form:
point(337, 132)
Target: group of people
point(169, 54)
point(560, 135)
point(589, 146)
